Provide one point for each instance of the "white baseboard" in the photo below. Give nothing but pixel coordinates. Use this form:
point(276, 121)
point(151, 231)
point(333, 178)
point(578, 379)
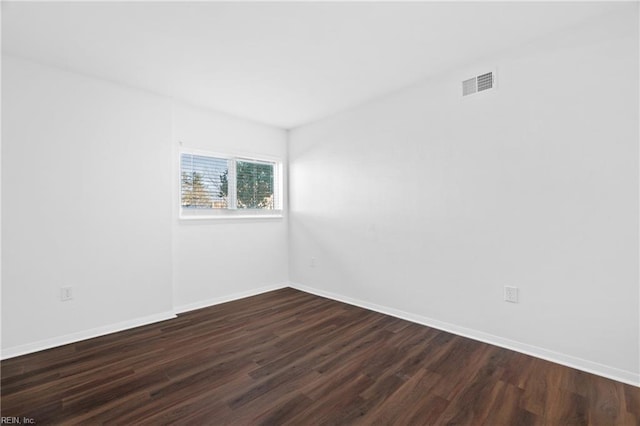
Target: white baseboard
point(559, 358)
point(125, 325)
point(229, 298)
point(83, 335)
point(613, 373)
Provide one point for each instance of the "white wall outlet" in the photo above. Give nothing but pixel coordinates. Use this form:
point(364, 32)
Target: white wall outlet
point(511, 294)
point(312, 262)
point(66, 293)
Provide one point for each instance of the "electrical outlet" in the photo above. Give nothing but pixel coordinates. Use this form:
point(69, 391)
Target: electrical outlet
point(66, 293)
point(312, 262)
point(511, 294)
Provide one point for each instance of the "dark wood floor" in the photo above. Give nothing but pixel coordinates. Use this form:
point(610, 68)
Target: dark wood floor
point(287, 357)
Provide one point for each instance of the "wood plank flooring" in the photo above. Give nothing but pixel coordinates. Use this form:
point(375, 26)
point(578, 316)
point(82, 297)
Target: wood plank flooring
point(287, 357)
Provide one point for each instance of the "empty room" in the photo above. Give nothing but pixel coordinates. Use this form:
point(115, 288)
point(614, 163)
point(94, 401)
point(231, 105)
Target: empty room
point(301, 213)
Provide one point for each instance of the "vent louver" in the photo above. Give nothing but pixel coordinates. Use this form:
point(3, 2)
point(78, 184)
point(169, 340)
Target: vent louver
point(479, 83)
point(469, 87)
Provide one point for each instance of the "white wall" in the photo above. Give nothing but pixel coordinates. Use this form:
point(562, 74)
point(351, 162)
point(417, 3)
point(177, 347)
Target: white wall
point(220, 259)
point(86, 189)
point(425, 205)
point(90, 200)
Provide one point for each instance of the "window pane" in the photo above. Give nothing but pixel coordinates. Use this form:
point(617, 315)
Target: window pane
point(254, 185)
point(204, 182)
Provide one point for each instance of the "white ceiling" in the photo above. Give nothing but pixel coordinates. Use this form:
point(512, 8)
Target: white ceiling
point(284, 64)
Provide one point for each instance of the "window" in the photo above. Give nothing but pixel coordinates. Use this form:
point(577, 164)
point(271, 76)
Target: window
point(218, 186)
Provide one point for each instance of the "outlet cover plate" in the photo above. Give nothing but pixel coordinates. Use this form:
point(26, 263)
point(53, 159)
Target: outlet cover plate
point(511, 294)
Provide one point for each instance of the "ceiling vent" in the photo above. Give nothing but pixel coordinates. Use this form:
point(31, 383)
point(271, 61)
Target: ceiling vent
point(479, 83)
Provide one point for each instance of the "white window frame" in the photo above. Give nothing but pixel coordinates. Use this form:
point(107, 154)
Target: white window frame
point(233, 212)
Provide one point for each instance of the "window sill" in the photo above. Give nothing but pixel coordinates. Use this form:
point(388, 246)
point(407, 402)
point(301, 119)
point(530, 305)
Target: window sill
point(231, 217)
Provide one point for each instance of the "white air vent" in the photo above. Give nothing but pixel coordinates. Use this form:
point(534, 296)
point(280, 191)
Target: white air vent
point(479, 83)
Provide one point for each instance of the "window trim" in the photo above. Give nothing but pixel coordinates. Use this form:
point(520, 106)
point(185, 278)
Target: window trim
point(235, 213)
